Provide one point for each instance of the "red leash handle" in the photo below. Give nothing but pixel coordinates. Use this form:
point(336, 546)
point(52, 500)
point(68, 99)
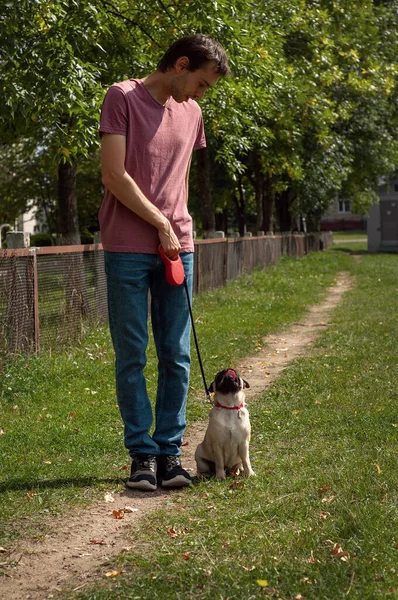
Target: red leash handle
point(175, 274)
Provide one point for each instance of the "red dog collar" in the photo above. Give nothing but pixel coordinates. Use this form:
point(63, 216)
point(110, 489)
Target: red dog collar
point(218, 405)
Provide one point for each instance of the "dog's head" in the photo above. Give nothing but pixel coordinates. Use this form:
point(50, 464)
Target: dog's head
point(228, 381)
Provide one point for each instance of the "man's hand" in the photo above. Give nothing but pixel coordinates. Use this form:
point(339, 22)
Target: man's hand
point(169, 240)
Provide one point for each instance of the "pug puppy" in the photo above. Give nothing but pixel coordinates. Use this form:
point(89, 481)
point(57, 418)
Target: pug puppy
point(225, 448)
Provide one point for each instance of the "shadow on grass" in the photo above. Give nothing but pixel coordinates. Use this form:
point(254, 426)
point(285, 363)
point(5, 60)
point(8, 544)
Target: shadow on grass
point(350, 251)
point(23, 484)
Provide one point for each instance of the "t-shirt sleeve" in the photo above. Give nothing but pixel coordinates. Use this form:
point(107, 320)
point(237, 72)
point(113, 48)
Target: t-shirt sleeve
point(114, 112)
point(200, 141)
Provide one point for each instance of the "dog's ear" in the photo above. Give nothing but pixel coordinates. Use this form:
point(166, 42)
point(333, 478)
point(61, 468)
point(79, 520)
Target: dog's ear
point(212, 386)
point(245, 384)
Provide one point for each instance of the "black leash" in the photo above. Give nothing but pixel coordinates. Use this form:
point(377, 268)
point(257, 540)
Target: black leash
point(196, 341)
point(175, 276)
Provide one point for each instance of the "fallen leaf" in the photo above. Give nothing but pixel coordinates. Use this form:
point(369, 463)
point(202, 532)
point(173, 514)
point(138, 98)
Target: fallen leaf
point(324, 515)
point(118, 514)
point(262, 582)
point(307, 580)
point(185, 444)
point(47, 462)
point(129, 509)
point(237, 484)
point(100, 542)
point(113, 573)
point(311, 559)
point(323, 489)
point(172, 532)
point(378, 470)
point(299, 597)
point(124, 468)
point(249, 568)
point(337, 551)
point(109, 498)
point(2, 432)
point(328, 499)
point(2, 549)
point(186, 555)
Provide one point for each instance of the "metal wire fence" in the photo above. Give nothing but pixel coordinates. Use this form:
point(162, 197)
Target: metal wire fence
point(49, 297)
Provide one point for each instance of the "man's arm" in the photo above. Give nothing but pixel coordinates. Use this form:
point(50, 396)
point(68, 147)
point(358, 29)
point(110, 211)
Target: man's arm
point(124, 188)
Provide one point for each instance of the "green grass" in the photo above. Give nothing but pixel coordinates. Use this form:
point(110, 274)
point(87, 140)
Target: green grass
point(63, 436)
point(325, 451)
point(350, 235)
point(324, 448)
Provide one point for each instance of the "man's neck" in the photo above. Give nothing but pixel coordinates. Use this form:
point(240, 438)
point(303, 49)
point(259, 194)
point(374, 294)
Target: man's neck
point(156, 84)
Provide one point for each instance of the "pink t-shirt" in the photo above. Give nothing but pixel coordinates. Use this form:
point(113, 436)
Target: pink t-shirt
point(159, 144)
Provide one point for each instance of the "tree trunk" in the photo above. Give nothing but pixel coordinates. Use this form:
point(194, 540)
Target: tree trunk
point(206, 200)
point(267, 206)
point(257, 179)
point(241, 207)
point(282, 205)
point(221, 220)
point(67, 201)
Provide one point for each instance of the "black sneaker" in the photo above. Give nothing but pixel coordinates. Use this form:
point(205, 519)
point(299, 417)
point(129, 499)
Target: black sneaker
point(143, 473)
point(171, 473)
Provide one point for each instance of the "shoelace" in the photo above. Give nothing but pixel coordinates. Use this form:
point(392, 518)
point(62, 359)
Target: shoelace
point(147, 463)
point(172, 461)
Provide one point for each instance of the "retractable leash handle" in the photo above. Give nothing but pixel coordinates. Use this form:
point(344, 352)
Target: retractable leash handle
point(174, 268)
point(175, 275)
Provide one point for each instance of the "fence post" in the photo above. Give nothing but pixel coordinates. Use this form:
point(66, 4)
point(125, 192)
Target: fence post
point(17, 239)
point(36, 322)
point(99, 267)
point(23, 305)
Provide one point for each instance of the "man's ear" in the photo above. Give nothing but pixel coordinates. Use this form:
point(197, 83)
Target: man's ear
point(182, 64)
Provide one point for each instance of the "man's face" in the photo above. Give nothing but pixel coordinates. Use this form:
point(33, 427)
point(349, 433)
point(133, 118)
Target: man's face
point(192, 84)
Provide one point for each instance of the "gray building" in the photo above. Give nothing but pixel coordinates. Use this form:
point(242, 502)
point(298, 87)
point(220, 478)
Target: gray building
point(383, 218)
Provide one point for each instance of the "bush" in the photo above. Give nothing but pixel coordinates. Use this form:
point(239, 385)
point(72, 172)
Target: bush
point(42, 239)
point(86, 236)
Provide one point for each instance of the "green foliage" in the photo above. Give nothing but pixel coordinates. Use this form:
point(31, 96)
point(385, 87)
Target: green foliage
point(42, 239)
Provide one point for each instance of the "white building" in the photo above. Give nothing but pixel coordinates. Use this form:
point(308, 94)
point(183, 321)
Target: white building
point(32, 221)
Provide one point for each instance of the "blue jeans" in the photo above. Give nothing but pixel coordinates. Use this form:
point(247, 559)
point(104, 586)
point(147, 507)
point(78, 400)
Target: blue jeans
point(129, 278)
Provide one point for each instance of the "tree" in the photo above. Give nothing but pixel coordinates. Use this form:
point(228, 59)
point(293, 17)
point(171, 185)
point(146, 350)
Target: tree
point(50, 88)
point(310, 112)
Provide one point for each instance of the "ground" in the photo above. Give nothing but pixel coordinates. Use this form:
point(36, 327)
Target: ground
point(81, 541)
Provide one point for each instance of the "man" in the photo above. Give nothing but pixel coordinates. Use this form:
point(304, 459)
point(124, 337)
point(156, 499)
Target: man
point(149, 128)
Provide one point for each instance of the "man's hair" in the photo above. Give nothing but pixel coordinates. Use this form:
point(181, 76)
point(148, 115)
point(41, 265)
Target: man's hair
point(199, 49)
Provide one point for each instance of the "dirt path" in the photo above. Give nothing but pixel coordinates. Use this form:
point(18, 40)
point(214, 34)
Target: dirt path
point(75, 552)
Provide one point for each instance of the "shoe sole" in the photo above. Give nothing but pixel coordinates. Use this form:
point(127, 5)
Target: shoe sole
point(146, 486)
point(178, 481)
